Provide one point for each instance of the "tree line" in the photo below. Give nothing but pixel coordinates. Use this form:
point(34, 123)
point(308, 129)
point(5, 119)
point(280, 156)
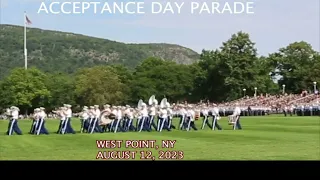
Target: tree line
point(219, 75)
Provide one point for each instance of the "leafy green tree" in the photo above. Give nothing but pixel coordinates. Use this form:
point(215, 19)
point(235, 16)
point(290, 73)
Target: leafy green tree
point(125, 76)
point(61, 87)
point(232, 68)
point(98, 85)
point(296, 65)
point(24, 88)
point(163, 79)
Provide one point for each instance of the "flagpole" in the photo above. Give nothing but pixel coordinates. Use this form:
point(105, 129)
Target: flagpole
point(25, 41)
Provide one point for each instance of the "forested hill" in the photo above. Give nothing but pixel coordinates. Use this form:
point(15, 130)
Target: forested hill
point(60, 51)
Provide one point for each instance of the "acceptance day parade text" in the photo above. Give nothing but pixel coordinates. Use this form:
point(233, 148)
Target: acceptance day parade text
point(179, 7)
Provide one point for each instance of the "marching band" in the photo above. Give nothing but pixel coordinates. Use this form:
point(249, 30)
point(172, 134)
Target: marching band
point(120, 119)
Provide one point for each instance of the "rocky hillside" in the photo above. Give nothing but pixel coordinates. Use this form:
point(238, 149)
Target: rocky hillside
point(61, 51)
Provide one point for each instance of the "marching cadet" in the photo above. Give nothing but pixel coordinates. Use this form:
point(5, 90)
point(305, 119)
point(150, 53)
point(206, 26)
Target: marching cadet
point(61, 114)
point(183, 113)
point(190, 118)
point(130, 121)
point(40, 128)
point(170, 117)
point(84, 119)
point(158, 113)
point(215, 118)
point(152, 115)
point(91, 116)
point(106, 108)
point(205, 114)
point(91, 113)
point(92, 119)
point(117, 121)
point(237, 113)
point(115, 112)
point(123, 119)
point(67, 128)
point(126, 119)
point(13, 123)
point(162, 119)
point(162, 123)
point(95, 127)
point(69, 116)
point(35, 120)
point(142, 124)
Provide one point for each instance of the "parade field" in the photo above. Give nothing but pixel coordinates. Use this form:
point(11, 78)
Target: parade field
point(262, 138)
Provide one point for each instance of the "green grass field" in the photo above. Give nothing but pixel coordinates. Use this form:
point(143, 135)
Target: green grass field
point(262, 138)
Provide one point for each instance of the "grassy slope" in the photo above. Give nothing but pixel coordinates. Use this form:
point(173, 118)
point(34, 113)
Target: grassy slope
point(263, 138)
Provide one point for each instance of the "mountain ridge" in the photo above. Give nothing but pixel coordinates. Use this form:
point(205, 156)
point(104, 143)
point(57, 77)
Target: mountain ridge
point(52, 50)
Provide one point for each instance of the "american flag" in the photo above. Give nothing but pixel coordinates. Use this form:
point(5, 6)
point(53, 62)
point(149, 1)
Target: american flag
point(28, 22)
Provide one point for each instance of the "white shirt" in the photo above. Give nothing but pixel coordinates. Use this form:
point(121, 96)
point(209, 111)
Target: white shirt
point(164, 113)
point(190, 114)
point(119, 114)
point(69, 113)
point(42, 115)
point(97, 113)
point(183, 112)
point(15, 114)
point(215, 111)
point(85, 115)
point(144, 112)
point(91, 113)
point(127, 112)
point(115, 112)
point(130, 114)
point(205, 112)
point(62, 115)
point(152, 111)
point(237, 111)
